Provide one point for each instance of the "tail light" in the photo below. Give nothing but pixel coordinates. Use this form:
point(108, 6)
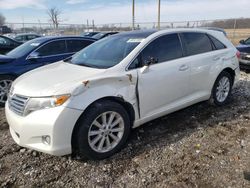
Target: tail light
point(238, 54)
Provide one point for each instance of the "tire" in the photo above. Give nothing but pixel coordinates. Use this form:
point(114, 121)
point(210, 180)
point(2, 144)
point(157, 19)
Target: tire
point(5, 84)
point(221, 95)
point(88, 129)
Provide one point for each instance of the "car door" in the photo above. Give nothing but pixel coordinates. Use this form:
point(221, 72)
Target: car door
point(51, 52)
point(202, 56)
point(165, 84)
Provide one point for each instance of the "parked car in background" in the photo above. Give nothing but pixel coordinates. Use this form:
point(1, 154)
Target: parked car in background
point(89, 103)
point(5, 29)
point(102, 35)
point(244, 49)
point(89, 34)
point(7, 44)
point(36, 53)
point(26, 37)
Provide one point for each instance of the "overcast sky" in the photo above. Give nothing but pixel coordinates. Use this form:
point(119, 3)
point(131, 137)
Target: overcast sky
point(119, 11)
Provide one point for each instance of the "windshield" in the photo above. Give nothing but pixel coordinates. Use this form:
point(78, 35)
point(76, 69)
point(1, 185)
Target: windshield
point(247, 41)
point(106, 53)
point(23, 49)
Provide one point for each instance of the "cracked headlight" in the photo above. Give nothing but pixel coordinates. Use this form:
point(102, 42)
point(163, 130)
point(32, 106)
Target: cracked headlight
point(35, 104)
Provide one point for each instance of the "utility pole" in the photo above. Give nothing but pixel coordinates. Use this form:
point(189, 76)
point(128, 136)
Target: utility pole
point(133, 14)
point(88, 25)
point(93, 25)
point(159, 14)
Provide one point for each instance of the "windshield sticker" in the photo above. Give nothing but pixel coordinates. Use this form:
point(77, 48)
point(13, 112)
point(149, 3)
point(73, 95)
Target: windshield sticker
point(135, 40)
point(34, 44)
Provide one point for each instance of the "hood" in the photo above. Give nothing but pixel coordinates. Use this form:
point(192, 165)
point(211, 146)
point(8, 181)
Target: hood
point(53, 79)
point(6, 59)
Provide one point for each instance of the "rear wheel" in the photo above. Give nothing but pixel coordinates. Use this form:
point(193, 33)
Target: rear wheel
point(222, 89)
point(5, 84)
point(103, 130)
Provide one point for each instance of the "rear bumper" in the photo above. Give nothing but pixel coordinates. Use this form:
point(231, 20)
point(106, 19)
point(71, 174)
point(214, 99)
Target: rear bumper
point(244, 64)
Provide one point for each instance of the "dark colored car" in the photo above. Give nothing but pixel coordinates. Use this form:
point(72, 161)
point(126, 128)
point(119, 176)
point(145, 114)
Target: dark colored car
point(26, 37)
point(89, 34)
point(34, 54)
point(5, 29)
point(244, 49)
point(103, 35)
point(7, 44)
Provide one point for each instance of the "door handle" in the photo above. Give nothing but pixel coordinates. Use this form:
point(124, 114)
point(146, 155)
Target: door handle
point(183, 68)
point(216, 58)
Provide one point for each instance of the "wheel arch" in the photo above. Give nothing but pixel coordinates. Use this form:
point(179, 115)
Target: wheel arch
point(126, 105)
point(231, 72)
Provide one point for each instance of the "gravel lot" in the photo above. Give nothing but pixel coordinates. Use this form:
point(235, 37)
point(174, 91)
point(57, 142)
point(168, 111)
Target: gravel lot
point(201, 146)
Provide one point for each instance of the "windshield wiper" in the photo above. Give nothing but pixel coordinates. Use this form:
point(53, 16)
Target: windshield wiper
point(89, 65)
point(68, 59)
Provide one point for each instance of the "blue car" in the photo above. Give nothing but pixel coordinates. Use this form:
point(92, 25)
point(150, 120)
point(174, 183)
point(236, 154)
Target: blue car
point(36, 53)
point(244, 49)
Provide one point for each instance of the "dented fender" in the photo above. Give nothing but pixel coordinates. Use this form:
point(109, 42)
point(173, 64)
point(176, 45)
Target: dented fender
point(122, 86)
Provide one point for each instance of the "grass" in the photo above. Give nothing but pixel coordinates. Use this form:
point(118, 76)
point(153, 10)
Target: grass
point(238, 34)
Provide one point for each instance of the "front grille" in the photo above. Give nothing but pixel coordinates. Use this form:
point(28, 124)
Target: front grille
point(17, 104)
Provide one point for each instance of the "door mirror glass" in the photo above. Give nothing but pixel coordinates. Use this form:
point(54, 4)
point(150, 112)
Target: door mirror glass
point(34, 56)
point(242, 42)
point(150, 61)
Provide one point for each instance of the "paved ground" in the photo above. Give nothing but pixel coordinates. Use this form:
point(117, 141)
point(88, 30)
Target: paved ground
point(201, 146)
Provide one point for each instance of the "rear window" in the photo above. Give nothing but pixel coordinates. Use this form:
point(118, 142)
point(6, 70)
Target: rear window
point(77, 45)
point(196, 43)
point(164, 48)
point(217, 44)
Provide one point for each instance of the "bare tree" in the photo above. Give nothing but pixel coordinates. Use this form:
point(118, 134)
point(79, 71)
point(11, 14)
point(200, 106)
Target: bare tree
point(54, 14)
point(2, 19)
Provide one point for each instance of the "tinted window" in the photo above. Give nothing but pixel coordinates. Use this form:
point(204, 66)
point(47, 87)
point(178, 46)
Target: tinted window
point(30, 37)
point(162, 49)
point(19, 38)
point(196, 43)
point(247, 41)
point(218, 45)
point(5, 42)
point(53, 48)
point(77, 45)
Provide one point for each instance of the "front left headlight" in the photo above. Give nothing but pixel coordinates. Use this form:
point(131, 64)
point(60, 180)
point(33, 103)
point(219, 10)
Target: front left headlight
point(35, 104)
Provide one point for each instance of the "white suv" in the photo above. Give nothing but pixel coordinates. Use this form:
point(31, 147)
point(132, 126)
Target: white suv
point(89, 103)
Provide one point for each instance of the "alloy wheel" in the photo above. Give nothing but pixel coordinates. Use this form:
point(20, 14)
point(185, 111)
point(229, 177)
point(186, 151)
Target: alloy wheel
point(4, 90)
point(223, 89)
point(106, 132)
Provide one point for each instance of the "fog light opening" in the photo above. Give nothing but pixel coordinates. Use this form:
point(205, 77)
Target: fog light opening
point(46, 139)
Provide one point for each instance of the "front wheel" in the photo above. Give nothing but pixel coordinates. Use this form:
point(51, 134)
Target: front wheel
point(103, 130)
point(5, 84)
point(222, 89)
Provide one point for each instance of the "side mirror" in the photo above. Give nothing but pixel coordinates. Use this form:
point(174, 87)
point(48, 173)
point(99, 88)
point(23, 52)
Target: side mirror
point(34, 56)
point(151, 61)
point(242, 41)
point(147, 63)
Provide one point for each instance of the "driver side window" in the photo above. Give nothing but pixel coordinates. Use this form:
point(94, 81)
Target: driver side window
point(52, 48)
point(5, 42)
point(162, 49)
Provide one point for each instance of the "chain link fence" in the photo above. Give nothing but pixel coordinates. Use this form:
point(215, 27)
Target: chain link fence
point(236, 29)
